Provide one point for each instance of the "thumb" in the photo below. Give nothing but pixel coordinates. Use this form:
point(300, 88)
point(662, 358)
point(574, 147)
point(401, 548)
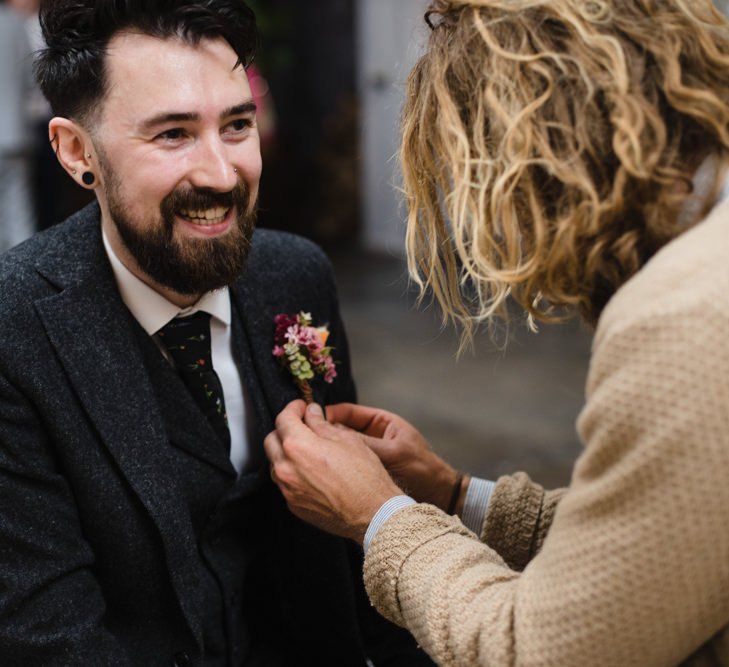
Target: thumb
point(314, 418)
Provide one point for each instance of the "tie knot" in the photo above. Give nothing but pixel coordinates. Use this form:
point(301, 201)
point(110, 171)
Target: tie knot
point(188, 341)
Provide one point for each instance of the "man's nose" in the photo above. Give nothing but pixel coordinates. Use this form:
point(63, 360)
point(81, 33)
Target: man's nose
point(213, 168)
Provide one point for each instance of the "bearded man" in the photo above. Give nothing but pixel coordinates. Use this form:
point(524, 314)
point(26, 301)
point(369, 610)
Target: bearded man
point(138, 521)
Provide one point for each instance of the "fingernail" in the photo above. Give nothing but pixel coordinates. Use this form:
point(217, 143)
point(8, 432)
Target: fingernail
point(315, 409)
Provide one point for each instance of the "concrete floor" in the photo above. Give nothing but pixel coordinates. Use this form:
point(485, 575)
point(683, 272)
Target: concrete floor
point(489, 413)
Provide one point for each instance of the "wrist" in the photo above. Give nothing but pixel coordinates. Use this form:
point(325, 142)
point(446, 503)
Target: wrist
point(388, 509)
point(455, 494)
point(370, 510)
point(463, 491)
point(445, 480)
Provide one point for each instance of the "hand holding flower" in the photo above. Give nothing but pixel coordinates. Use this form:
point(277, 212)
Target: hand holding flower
point(404, 452)
point(328, 475)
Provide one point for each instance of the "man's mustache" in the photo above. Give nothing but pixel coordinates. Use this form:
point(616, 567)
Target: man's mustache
point(200, 199)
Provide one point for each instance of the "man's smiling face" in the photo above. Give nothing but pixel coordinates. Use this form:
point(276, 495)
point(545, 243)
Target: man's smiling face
point(180, 161)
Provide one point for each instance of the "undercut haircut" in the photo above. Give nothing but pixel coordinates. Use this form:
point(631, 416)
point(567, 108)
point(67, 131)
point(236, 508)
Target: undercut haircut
point(71, 70)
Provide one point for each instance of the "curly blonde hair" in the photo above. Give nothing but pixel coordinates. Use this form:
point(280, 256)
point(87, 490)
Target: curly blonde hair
point(549, 145)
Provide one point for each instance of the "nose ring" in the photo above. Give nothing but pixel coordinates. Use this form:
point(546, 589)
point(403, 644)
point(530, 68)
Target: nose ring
point(235, 170)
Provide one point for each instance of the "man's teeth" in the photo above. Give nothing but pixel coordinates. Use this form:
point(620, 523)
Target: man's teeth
point(209, 216)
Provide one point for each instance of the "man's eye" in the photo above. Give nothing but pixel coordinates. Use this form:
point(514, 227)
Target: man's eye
point(240, 124)
point(172, 135)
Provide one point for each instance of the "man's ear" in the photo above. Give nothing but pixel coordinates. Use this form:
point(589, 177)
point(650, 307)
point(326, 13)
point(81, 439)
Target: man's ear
point(73, 148)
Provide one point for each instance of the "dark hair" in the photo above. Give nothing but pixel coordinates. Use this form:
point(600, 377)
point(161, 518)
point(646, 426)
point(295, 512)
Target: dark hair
point(71, 69)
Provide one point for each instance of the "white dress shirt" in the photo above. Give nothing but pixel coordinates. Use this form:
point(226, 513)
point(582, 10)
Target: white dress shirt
point(153, 311)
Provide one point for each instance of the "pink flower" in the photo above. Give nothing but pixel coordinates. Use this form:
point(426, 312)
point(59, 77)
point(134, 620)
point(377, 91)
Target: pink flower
point(297, 334)
point(283, 323)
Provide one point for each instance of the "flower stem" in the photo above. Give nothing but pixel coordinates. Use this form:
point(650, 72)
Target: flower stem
point(306, 392)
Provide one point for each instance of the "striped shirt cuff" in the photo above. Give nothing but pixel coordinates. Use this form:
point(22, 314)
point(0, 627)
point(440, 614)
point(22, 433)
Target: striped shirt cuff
point(476, 503)
point(383, 514)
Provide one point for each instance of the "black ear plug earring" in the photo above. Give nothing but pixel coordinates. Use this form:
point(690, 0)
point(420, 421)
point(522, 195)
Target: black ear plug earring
point(88, 178)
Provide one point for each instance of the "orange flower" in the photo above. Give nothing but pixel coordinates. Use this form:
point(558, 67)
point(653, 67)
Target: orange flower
point(323, 335)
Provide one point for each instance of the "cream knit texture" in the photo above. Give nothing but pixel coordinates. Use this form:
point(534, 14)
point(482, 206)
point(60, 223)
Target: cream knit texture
point(630, 564)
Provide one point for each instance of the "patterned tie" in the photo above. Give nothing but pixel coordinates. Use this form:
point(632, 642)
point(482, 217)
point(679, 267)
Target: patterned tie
point(188, 341)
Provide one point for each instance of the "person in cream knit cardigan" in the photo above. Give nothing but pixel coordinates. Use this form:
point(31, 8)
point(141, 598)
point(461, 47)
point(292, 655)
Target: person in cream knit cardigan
point(571, 155)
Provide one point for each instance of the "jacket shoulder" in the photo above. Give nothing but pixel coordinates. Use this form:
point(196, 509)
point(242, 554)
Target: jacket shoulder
point(285, 257)
point(269, 244)
point(18, 277)
point(66, 243)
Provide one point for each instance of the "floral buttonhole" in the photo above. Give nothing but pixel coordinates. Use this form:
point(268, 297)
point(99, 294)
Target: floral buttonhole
point(302, 348)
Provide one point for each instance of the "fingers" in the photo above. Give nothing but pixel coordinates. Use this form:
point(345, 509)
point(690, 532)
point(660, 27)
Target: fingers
point(368, 423)
point(273, 447)
point(300, 431)
point(302, 428)
point(289, 422)
point(359, 417)
point(274, 451)
point(282, 471)
point(314, 415)
point(386, 450)
point(316, 421)
point(383, 448)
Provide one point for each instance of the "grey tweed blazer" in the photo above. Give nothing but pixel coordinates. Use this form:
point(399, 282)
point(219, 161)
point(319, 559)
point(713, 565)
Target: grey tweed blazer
point(98, 558)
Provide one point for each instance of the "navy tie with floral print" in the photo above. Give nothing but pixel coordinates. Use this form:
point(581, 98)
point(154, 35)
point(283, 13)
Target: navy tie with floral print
point(188, 341)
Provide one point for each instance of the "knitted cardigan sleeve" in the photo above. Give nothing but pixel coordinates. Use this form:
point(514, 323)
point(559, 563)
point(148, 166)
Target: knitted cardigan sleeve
point(518, 518)
point(635, 567)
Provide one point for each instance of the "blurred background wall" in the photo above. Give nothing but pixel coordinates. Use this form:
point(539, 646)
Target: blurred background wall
point(330, 79)
point(389, 38)
point(335, 71)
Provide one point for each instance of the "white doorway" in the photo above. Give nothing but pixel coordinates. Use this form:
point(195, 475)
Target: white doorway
point(390, 36)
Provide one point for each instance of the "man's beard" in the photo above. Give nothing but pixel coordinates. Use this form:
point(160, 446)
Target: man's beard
point(188, 266)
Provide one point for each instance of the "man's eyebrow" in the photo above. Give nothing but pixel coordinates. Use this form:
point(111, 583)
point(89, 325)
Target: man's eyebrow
point(169, 117)
point(247, 107)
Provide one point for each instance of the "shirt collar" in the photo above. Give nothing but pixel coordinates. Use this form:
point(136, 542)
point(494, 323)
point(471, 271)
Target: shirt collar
point(150, 308)
point(724, 194)
point(703, 182)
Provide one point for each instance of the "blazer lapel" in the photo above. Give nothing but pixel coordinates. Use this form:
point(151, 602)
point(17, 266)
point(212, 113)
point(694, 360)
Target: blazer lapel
point(270, 386)
point(92, 333)
point(247, 348)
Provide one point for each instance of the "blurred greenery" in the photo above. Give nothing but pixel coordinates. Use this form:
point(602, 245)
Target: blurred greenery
point(307, 56)
point(276, 26)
